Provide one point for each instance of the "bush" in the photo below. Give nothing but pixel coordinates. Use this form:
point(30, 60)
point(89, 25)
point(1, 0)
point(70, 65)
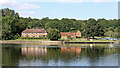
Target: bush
point(69, 37)
point(78, 37)
point(33, 37)
point(53, 34)
point(63, 39)
point(16, 36)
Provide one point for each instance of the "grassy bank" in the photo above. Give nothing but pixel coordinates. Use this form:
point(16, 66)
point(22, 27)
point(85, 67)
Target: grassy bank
point(30, 40)
point(73, 40)
point(84, 40)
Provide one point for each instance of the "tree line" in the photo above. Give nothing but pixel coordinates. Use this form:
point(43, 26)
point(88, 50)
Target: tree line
point(13, 25)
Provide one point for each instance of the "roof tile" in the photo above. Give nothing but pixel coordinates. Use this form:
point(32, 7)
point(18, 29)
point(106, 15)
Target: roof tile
point(34, 30)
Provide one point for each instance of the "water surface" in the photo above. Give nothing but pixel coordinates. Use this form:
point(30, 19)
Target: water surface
point(64, 55)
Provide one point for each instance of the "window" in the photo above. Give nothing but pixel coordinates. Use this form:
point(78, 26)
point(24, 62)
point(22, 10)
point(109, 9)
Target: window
point(32, 33)
point(42, 33)
point(39, 33)
point(36, 36)
point(25, 33)
point(78, 34)
point(36, 33)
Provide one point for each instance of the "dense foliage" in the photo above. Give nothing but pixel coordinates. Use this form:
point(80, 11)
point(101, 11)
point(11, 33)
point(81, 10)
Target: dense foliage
point(13, 25)
point(53, 34)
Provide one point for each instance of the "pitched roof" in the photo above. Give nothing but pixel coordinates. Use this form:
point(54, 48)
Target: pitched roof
point(34, 30)
point(67, 33)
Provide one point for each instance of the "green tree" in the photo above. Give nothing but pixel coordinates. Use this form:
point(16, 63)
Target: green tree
point(91, 28)
point(13, 25)
point(117, 32)
point(104, 23)
point(78, 24)
point(110, 32)
point(54, 34)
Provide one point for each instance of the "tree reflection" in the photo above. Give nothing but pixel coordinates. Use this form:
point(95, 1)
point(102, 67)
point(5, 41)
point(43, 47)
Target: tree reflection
point(12, 55)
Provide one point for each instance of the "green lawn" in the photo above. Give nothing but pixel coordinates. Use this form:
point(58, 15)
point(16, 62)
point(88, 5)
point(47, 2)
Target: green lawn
point(30, 40)
point(73, 40)
point(84, 40)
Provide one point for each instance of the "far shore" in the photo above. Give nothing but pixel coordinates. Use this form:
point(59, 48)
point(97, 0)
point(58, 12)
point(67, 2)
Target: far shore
point(31, 42)
point(48, 42)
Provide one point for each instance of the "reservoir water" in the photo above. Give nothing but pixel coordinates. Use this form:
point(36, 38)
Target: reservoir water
point(64, 55)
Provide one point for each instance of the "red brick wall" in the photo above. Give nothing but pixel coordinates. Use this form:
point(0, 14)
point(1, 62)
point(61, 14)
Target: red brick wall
point(78, 34)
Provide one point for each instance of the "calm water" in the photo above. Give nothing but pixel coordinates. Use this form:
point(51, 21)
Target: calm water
point(65, 55)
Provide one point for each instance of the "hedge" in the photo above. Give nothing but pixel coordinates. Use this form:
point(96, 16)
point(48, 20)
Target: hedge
point(33, 37)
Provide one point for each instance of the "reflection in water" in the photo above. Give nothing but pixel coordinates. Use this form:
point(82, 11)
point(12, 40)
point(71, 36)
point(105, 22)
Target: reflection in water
point(71, 50)
point(41, 51)
point(65, 55)
point(34, 51)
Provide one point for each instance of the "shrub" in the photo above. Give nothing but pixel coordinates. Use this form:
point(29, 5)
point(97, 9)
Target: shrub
point(54, 34)
point(33, 37)
point(63, 39)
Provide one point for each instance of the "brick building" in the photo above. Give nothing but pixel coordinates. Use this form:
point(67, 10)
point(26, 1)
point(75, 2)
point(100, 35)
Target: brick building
point(34, 33)
point(72, 34)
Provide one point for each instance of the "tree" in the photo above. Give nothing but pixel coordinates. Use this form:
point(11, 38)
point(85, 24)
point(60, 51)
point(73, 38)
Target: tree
point(117, 32)
point(77, 25)
point(110, 32)
point(13, 25)
point(53, 24)
point(91, 28)
point(66, 24)
point(54, 34)
point(104, 23)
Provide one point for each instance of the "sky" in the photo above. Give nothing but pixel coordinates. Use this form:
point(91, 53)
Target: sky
point(75, 9)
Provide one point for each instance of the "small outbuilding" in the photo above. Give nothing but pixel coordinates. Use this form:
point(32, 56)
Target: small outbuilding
point(71, 34)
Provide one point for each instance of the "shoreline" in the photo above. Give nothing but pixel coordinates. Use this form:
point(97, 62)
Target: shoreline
point(90, 42)
point(54, 42)
point(33, 42)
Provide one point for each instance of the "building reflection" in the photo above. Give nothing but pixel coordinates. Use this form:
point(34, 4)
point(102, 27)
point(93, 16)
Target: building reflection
point(34, 51)
point(92, 46)
point(76, 50)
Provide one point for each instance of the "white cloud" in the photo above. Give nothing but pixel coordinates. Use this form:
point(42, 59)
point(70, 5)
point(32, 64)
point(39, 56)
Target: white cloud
point(27, 6)
point(17, 5)
point(18, 1)
point(68, 0)
point(27, 13)
point(105, 0)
